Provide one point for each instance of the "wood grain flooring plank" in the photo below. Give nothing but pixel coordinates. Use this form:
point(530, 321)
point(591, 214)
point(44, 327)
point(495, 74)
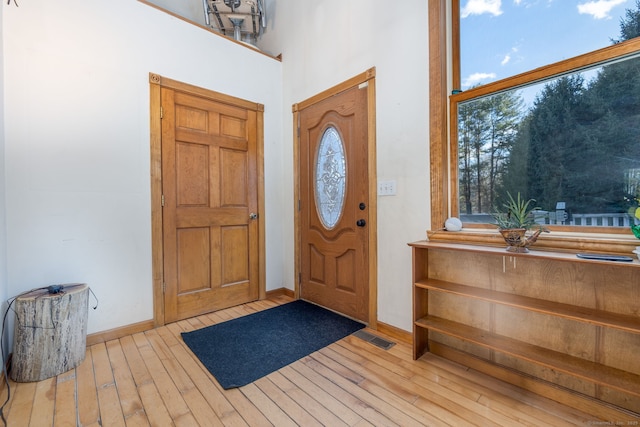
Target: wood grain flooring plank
point(108, 401)
point(138, 419)
point(247, 410)
point(399, 410)
point(387, 373)
point(65, 413)
point(276, 415)
point(171, 396)
point(178, 375)
point(125, 385)
point(447, 406)
point(201, 377)
point(306, 401)
point(18, 411)
point(194, 399)
point(110, 410)
point(333, 374)
point(136, 365)
point(44, 401)
point(299, 414)
point(366, 411)
point(86, 391)
point(199, 406)
point(346, 414)
point(101, 366)
point(157, 413)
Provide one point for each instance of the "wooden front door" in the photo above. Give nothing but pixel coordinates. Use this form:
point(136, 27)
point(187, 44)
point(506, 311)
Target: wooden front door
point(334, 203)
point(210, 204)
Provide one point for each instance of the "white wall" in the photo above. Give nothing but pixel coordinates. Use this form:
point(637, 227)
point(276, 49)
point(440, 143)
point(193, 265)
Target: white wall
point(3, 228)
point(76, 142)
point(325, 42)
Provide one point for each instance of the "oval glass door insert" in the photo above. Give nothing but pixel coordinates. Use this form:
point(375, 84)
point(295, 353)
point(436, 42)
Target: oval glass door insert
point(330, 177)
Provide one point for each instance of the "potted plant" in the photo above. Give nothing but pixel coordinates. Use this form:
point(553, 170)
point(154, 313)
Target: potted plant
point(515, 220)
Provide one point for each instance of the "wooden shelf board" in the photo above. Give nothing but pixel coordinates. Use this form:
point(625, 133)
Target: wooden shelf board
point(593, 372)
point(533, 253)
point(580, 314)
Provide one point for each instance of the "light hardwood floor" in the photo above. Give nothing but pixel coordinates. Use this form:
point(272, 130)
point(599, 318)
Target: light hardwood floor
point(152, 378)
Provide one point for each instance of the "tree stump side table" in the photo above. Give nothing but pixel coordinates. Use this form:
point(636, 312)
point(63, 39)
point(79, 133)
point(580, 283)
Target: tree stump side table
point(50, 332)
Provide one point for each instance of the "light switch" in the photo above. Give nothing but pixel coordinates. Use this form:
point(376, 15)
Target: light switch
point(387, 188)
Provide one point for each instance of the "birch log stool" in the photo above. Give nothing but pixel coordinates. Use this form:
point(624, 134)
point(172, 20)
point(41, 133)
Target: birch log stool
point(50, 332)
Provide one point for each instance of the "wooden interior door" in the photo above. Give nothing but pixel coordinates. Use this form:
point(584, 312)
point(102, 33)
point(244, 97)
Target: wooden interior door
point(210, 204)
point(334, 203)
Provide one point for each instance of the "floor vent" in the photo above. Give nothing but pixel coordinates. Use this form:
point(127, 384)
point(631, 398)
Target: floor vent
point(377, 341)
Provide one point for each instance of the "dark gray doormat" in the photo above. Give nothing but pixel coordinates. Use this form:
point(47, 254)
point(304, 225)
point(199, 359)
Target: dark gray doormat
point(242, 350)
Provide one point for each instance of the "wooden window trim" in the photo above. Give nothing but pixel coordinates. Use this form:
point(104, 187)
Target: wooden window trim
point(444, 41)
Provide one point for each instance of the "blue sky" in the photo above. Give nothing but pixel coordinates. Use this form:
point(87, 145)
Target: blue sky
point(501, 38)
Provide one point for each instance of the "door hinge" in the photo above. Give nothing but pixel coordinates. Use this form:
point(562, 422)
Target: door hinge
point(161, 113)
point(299, 278)
point(299, 205)
point(162, 200)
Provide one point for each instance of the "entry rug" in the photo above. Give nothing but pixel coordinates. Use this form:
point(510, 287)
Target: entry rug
point(242, 350)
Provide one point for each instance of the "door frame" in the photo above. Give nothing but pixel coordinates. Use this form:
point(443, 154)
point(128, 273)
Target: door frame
point(156, 82)
point(367, 77)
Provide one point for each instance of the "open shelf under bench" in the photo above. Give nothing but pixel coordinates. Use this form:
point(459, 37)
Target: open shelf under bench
point(603, 375)
point(553, 316)
point(581, 314)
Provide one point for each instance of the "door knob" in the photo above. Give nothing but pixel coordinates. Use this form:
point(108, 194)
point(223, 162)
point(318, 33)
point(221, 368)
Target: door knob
point(361, 223)
point(253, 215)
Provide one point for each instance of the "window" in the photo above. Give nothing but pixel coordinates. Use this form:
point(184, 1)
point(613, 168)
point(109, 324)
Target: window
point(565, 134)
point(518, 36)
point(573, 147)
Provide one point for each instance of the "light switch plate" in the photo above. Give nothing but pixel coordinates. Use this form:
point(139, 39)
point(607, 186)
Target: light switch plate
point(387, 188)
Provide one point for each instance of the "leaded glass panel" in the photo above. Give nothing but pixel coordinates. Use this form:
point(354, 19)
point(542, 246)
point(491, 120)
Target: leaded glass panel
point(330, 177)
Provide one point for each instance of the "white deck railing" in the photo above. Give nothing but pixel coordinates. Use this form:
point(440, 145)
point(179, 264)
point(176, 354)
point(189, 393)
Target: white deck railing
point(550, 218)
point(596, 220)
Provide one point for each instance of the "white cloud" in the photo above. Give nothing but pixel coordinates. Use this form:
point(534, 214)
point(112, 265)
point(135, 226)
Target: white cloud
point(476, 78)
point(599, 9)
point(507, 58)
point(478, 7)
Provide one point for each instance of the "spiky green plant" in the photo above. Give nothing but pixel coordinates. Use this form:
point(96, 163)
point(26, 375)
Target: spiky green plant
point(516, 213)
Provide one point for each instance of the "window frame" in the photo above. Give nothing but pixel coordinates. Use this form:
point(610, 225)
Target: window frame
point(444, 75)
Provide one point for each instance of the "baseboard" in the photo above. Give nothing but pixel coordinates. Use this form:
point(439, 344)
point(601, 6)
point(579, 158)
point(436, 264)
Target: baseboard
point(113, 334)
point(395, 333)
point(280, 292)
